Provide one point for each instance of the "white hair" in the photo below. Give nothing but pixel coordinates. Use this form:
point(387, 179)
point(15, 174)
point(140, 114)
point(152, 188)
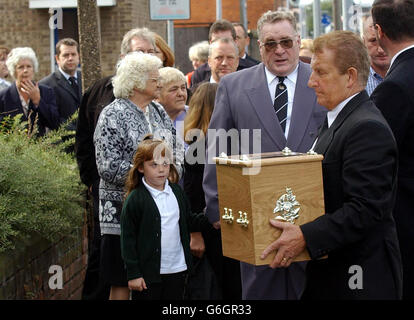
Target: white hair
point(18, 54)
point(140, 33)
point(199, 51)
point(169, 74)
point(132, 72)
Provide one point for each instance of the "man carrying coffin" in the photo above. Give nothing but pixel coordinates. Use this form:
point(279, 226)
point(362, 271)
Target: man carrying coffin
point(357, 231)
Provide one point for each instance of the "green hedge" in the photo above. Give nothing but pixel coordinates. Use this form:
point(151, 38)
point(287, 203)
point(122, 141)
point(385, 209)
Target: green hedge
point(40, 189)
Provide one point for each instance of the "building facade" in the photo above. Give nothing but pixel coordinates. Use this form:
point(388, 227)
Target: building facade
point(41, 23)
point(25, 23)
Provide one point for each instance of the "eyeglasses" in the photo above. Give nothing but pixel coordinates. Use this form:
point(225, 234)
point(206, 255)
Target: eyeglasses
point(150, 51)
point(157, 80)
point(284, 43)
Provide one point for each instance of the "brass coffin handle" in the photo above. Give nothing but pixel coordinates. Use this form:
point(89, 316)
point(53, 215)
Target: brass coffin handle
point(242, 220)
point(228, 215)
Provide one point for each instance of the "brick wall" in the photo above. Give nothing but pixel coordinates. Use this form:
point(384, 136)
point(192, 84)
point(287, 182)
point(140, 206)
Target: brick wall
point(116, 21)
point(204, 12)
point(21, 26)
point(24, 27)
point(24, 272)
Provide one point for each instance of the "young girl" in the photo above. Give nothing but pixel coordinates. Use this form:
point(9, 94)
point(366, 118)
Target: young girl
point(156, 222)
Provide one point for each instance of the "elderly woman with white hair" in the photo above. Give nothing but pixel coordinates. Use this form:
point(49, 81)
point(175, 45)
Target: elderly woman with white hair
point(173, 93)
point(36, 102)
point(198, 55)
point(120, 128)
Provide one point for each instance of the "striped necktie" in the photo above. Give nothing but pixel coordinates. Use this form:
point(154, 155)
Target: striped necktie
point(281, 102)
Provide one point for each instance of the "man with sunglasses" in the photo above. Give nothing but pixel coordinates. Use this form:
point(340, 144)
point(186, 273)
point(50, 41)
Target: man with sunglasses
point(273, 97)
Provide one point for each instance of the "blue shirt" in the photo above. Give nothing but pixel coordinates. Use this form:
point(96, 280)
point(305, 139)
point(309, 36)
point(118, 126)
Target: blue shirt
point(374, 79)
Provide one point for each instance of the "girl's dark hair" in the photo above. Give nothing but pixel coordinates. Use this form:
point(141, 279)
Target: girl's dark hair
point(148, 149)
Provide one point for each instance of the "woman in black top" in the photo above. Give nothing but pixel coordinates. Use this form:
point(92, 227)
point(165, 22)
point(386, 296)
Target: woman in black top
point(195, 129)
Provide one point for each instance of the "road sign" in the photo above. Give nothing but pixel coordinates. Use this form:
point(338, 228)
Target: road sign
point(169, 9)
point(326, 19)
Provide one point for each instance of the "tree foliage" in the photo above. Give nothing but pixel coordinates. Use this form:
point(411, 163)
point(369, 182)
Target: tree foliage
point(40, 189)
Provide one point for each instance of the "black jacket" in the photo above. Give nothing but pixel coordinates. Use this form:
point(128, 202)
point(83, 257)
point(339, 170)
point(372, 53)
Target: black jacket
point(47, 112)
point(97, 97)
point(66, 98)
point(395, 98)
point(359, 182)
point(193, 180)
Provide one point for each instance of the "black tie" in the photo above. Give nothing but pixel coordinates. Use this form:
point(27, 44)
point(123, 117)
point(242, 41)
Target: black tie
point(322, 130)
point(324, 127)
point(281, 102)
point(74, 86)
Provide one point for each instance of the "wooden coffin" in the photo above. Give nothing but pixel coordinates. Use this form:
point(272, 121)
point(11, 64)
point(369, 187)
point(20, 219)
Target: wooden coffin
point(253, 189)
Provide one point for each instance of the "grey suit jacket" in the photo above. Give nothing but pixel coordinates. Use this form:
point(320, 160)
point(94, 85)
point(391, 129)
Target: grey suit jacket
point(243, 102)
point(66, 99)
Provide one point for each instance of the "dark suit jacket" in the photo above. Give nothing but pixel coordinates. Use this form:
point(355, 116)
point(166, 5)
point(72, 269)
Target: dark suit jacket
point(67, 101)
point(249, 61)
point(359, 180)
point(97, 97)
point(10, 105)
point(193, 179)
point(203, 72)
point(395, 98)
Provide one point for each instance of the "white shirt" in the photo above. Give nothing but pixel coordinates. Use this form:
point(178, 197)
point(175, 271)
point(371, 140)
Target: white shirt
point(332, 114)
point(397, 54)
point(67, 76)
point(4, 83)
point(212, 80)
point(172, 253)
point(290, 83)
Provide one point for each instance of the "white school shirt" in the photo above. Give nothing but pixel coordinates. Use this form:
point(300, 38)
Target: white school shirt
point(172, 253)
point(290, 82)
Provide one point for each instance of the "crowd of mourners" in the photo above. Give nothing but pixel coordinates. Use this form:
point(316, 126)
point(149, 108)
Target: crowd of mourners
point(142, 151)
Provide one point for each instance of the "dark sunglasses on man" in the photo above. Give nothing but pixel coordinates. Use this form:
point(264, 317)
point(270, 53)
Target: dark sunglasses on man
point(284, 43)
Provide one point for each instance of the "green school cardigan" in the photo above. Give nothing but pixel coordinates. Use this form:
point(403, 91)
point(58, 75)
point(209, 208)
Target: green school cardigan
point(141, 232)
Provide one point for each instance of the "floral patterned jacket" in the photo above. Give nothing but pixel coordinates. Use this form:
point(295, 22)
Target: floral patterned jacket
point(119, 130)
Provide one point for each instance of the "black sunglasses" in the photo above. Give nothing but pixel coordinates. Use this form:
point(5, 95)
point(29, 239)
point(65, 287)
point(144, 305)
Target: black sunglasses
point(284, 43)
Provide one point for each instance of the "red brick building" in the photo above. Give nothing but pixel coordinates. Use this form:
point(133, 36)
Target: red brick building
point(26, 23)
point(203, 12)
